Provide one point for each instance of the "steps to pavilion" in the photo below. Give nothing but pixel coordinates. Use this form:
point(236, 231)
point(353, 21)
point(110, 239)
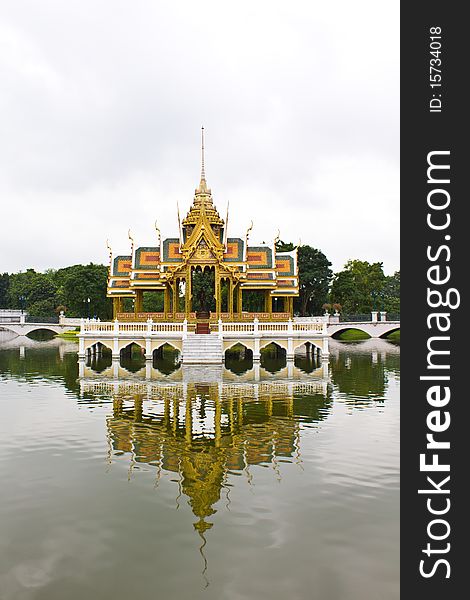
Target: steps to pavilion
point(202, 349)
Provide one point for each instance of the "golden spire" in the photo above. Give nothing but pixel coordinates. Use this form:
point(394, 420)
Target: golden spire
point(225, 228)
point(203, 174)
point(202, 189)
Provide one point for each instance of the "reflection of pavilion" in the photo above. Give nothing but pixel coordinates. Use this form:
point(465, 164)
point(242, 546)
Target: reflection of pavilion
point(203, 431)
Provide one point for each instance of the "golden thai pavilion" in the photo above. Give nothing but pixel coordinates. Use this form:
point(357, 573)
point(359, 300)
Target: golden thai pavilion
point(203, 270)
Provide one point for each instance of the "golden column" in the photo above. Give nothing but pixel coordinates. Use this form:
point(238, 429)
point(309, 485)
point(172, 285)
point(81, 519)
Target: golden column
point(175, 297)
point(187, 300)
point(217, 285)
point(117, 306)
point(268, 302)
point(230, 298)
point(166, 300)
point(138, 305)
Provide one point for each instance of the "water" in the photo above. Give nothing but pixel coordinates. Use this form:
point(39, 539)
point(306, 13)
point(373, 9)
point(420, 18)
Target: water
point(163, 482)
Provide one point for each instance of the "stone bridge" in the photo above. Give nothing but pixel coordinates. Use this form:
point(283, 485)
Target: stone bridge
point(20, 324)
point(376, 329)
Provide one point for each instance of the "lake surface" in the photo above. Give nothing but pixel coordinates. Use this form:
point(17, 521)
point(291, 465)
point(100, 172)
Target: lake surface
point(158, 481)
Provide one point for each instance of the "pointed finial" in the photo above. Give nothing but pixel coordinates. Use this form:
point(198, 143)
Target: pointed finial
point(110, 256)
point(179, 224)
point(203, 174)
point(132, 241)
point(248, 231)
point(158, 232)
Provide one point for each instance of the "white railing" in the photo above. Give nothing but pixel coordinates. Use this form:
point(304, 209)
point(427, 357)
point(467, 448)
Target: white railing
point(168, 327)
point(309, 326)
point(223, 328)
point(262, 329)
point(8, 315)
point(126, 328)
point(236, 327)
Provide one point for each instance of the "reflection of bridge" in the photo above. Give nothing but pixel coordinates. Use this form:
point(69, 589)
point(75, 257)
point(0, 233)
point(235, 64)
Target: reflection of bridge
point(149, 375)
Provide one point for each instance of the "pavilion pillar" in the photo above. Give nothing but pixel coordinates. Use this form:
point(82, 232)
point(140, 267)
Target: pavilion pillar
point(240, 300)
point(166, 300)
point(116, 307)
point(268, 302)
point(138, 301)
point(175, 297)
point(230, 298)
point(218, 294)
point(285, 304)
point(187, 302)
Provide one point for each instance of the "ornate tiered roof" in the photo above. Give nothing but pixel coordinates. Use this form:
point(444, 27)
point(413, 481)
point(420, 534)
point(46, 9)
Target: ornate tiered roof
point(203, 242)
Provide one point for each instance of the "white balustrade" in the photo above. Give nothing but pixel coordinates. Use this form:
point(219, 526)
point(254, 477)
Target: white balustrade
point(255, 328)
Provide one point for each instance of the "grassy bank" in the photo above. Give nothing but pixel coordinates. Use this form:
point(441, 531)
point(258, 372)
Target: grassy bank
point(69, 335)
point(394, 336)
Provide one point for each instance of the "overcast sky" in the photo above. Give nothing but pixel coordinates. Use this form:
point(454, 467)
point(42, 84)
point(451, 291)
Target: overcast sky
point(101, 104)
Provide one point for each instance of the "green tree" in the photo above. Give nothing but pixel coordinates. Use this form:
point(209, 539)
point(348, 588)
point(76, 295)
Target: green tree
point(77, 283)
point(359, 287)
point(391, 293)
point(314, 277)
point(38, 289)
point(202, 290)
point(152, 301)
point(4, 286)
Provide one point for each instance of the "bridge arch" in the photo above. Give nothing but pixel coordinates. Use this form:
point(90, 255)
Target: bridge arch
point(126, 346)
point(282, 344)
point(126, 343)
point(157, 349)
point(389, 331)
point(341, 330)
point(245, 350)
point(38, 330)
point(104, 342)
point(172, 343)
point(279, 348)
point(247, 344)
point(316, 347)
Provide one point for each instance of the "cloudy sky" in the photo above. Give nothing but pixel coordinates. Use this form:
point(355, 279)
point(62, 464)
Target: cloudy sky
point(101, 104)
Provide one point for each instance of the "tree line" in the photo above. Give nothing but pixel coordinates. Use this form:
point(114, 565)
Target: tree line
point(68, 289)
point(358, 289)
point(80, 290)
